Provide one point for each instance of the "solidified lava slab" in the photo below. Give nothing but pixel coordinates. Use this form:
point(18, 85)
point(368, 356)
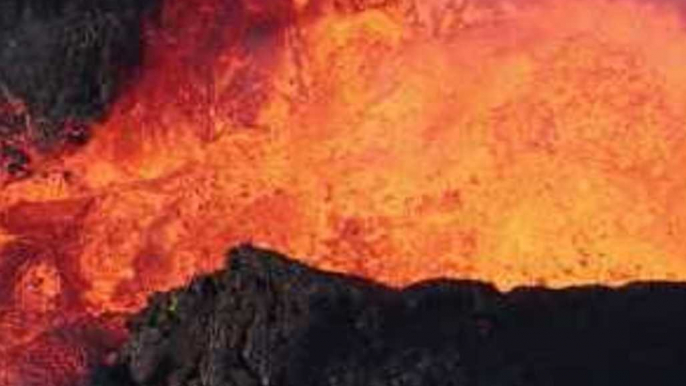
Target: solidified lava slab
point(267, 320)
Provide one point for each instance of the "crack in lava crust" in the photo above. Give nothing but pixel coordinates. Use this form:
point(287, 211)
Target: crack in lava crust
point(514, 142)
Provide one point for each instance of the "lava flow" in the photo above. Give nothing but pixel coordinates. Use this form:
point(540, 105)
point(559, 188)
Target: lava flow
point(516, 142)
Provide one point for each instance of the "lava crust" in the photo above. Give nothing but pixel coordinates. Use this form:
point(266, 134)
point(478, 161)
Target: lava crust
point(270, 321)
point(62, 62)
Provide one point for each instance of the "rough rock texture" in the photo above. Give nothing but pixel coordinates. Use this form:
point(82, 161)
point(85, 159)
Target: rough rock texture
point(270, 321)
point(64, 57)
point(61, 64)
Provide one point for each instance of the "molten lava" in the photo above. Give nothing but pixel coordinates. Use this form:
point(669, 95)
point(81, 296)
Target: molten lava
point(517, 142)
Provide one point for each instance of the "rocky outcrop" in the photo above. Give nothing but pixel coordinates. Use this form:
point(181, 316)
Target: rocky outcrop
point(267, 320)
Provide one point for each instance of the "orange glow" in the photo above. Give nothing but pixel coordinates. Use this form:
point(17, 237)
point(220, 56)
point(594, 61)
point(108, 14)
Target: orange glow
point(516, 142)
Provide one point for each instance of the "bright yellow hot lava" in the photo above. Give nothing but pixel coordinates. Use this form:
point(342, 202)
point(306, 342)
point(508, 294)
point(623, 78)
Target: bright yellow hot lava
point(516, 142)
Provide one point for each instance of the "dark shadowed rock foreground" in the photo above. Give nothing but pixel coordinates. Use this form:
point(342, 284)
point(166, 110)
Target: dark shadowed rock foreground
point(267, 320)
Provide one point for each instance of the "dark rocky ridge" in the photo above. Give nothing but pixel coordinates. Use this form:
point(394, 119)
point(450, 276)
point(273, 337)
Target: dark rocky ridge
point(267, 320)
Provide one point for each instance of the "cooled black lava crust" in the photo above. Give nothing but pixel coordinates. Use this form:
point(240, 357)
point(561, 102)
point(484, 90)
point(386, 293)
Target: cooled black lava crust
point(267, 320)
point(65, 61)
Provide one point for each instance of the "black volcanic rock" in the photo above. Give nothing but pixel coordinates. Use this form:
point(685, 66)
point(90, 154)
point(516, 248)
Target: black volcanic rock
point(267, 320)
point(65, 60)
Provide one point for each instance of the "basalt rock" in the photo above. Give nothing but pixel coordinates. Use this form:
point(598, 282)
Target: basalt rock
point(62, 63)
point(267, 320)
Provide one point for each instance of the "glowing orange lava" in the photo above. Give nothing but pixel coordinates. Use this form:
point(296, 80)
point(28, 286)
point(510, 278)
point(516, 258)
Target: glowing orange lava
point(516, 142)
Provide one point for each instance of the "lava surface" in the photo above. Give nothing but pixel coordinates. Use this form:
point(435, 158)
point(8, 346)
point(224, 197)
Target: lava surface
point(515, 142)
